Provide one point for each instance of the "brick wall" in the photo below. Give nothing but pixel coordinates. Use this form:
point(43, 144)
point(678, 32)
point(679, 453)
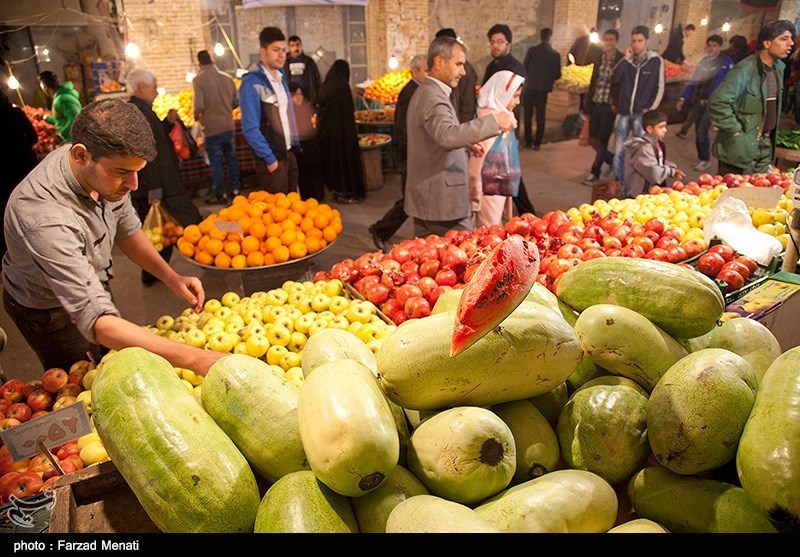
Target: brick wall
point(395, 28)
point(788, 10)
point(573, 18)
point(693, 11)
point(163, 32)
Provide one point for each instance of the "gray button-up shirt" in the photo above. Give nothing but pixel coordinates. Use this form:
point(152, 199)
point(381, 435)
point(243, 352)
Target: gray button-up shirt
point(59, 243)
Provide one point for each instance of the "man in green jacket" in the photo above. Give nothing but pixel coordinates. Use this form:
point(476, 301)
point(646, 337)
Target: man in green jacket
point(746, 106)
point(66, 103)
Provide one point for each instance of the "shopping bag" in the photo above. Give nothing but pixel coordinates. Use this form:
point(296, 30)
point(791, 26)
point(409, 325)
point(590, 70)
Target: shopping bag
point(182, 140)
point(160, 227)
point(583, 137)
point(501, 169)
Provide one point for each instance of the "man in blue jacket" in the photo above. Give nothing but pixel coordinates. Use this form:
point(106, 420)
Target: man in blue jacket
point(640, 76)
point(268, 123)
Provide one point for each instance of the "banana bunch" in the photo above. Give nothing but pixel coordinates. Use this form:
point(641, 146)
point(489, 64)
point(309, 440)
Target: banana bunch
point(574, 78)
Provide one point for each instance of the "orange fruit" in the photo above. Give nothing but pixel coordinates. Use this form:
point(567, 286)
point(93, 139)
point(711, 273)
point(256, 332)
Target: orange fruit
point(233, 237)
point(287, 237)
point(234, 213)
point(337, 225)
point(250, 244)
point(279, 214)
point(269, 259)
point(324, 208)
point(289, 224)
point(274, 230)
point(299, 207)
point(271, 243)
point(258, 230)
point(313, 244)
point(293, 196)
point(203, 257)
point(281, 254)
point(283, 201)
point(233, 248)
point(295, 217)
point(300, 236)
point(201, 245)
point(192, 233)
point(222, 260)
point(329, 233)
point(298, 250)
point(214, 246)
point(312, 203)
point(186, 249)
point(239, 261)
point(245, 223)
point(314, 233)
point(306, 224)
point(205, 225)
point(217, 234)
point(255, 212)
point(223, 214)
point(266, 218)
point(255, 259)
point(312, 214)
point(240, 201)
point(321, 221)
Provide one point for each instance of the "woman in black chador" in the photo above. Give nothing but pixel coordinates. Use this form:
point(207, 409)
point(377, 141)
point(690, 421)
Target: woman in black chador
point(338, 137)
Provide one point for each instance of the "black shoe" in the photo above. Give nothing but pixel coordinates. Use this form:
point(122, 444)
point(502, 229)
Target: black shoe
point(377, 240)
point(345, 199)
point(217, 199)
point(537, 147)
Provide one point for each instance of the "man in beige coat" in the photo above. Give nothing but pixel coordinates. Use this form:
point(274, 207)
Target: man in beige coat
point(437, 195)
point(215, 97)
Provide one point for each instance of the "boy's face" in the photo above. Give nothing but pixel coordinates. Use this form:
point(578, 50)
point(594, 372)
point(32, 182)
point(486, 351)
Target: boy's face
point(659, 130)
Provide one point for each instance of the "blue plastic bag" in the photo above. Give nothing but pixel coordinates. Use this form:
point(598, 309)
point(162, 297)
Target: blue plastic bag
point(501, 169)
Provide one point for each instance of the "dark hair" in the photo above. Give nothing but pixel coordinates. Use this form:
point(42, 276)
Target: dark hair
point(545, 34)
point(49, 79)
point(500, 28)
point(339, 69)
point(446, 32)
point(442, 46)
point(114, 127)
point(204, 58)
point(714, 39)
point(294, 86)
point(294, 38)
point(689, 27)
point(641, 30)
point(738, 41)
point(270, 35)
point(611, 32)
point(653, 118)
point(774, 29)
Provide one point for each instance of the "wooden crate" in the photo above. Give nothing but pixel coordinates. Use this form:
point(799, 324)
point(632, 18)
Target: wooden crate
point(97, 499)
point(562, 103)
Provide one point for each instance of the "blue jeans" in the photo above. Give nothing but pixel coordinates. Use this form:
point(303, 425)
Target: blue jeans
point(622, 126)
point(221, 150)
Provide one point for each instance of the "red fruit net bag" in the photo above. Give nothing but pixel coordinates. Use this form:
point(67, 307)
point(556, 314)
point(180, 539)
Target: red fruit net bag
point(501, 169)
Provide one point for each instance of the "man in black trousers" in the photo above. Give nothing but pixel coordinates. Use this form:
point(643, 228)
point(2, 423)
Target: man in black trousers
point(543, 65)
point(394, 218)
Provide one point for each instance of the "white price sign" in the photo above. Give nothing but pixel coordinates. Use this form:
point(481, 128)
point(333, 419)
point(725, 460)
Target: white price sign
point(53, 429)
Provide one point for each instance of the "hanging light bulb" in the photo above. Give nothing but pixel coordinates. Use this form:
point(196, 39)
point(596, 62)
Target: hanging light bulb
point(393, 63)
point(132, 51)
point(658, 28)
point(594, 37)
point(704, 21)
point(726, 27)
point(13, 83)
point(161, 91)
point(219, 50)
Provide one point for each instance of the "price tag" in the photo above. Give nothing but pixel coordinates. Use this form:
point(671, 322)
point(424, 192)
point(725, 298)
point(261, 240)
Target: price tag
point(53, 429)
point(229, 227)
point(766, 198)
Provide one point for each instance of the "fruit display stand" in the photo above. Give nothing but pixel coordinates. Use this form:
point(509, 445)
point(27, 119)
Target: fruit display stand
point(195, 172)
point(562, 103)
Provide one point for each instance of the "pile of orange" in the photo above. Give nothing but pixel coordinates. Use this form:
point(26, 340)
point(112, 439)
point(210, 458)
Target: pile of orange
point(275, 228)
point(386, 88)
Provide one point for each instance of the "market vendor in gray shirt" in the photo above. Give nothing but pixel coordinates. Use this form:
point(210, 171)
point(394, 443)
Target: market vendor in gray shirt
point(61, 224)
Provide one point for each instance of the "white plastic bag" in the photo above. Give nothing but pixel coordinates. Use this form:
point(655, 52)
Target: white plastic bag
point(730, 222)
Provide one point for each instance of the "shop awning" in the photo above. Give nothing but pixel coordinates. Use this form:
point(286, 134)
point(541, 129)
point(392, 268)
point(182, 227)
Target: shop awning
point(278, 3)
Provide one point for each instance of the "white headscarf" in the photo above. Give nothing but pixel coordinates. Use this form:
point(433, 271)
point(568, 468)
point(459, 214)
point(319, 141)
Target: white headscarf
point(498, 90)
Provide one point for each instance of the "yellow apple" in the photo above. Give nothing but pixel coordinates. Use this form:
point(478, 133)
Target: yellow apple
point(768, 228)
point(278, 335)
point(276, 297)
point(92, 437)
point(88, 378)
point(275, 353)
point(86, 398)
point(290, 359)
point(294, 376)
point(275, 312)
point(783, 239)
point(251, 314)
point(320, 302)
point(212, 305)
point(317, 326)
point(334, 287)
point(165, 323)
point(257, 345)
point(229, 299)
point(196, 337)
point(93, 453)
point(367, 332)
point(303, 323)
point(354, 326)
point(297, 341)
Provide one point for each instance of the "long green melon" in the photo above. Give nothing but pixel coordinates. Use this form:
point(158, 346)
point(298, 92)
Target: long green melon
point(683, 302)
point(603, 428)
point(298, 503)
point(768, 457)
point(347, 428)
point(184, 470)
point(750, 339)
point(626, 343)
point(373, 509)
point(536, 443)
point(697, 412)
point(639, 526)
point(532, 351)
point(257, 409)
point(429, 514)
point(463, 454)
point(691, 504)
point(552, 402)
point(563, 501)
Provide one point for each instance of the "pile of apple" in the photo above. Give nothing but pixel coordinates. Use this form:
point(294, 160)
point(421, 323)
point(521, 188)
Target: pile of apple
point(45, 131)
point(273, 325)
point(20, 402)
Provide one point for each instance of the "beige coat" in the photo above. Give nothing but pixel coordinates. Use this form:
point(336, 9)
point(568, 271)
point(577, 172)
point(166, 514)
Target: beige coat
point(215, 97)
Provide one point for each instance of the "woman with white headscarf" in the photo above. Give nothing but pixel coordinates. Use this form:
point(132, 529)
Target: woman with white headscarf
point(501, 93)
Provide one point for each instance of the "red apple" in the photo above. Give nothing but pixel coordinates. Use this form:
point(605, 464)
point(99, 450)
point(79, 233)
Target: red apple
point(73, 389)
point(733, 280)
point(659, 254)
point(23, 485)
point(667, 242)
point(39, 413)
point(400, 253)
point(40, 400)
point(407, 291)
point(569, 250)
point(644, 241)
point(30, 387)
point(8, 423)
point(20, 411)
point(724, 250)
point(63, 402)
point(446, 277)
point(5, 405)
point(676, 254)
point(66, 450)
point(5, 480)
point(49, 473)
point(54, 378)
point(12, 390)
point(399, 317)
point(417, 307)
point(84, 366)
point(518, 225)
point(377, 293)
point(693, 247)
point(39, 463)
point(655, 224)
point(750, 263)
point(391, 306)
point(739, 267)
point(73, 458)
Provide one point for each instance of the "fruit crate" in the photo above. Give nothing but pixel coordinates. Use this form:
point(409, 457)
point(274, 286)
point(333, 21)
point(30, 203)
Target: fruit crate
point(353, 293)
point(97, 500)
point(762, 273)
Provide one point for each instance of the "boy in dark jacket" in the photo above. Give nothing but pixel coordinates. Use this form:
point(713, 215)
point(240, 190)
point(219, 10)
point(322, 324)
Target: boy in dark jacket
point(646, 161)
